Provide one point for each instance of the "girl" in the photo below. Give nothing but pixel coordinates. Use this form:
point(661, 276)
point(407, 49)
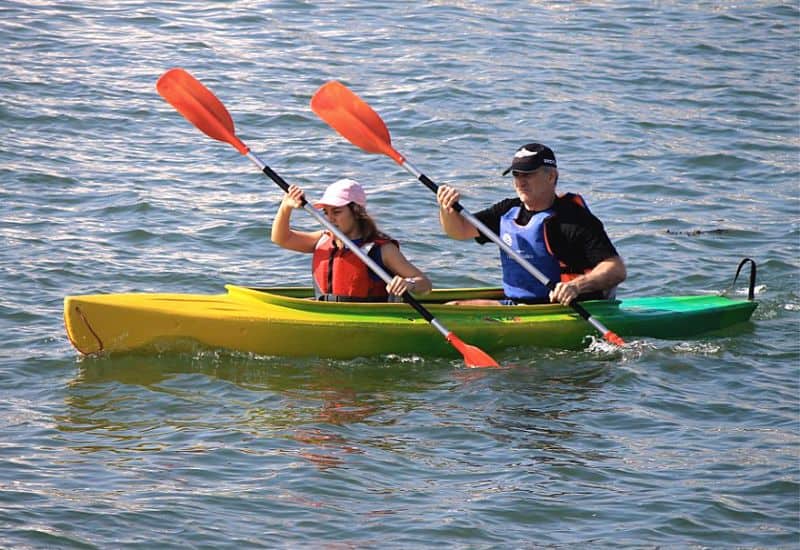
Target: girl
point(339, 275)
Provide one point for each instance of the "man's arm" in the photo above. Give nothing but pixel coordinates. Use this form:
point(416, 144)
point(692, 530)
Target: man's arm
point(453, 223)
point(605, 275)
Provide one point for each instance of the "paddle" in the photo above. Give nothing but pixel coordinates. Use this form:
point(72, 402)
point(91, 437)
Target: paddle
point(202, 108)
point(354, 119)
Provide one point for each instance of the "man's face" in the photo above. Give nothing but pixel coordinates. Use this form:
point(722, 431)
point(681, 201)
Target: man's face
point(536, 188)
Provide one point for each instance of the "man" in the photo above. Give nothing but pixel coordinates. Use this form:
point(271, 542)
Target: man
point(557, 234)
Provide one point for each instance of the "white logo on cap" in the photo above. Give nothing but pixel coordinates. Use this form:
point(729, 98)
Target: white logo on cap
point(522, 153)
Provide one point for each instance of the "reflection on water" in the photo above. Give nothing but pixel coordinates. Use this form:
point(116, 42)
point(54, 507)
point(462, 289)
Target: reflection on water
point(122, 402)
point(303, 407)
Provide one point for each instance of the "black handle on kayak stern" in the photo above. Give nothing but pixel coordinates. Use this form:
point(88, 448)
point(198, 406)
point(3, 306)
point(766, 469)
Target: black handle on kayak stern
point(751, 289)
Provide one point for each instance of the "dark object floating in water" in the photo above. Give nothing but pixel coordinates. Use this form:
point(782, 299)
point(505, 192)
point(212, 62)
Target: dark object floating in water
point(698, 232)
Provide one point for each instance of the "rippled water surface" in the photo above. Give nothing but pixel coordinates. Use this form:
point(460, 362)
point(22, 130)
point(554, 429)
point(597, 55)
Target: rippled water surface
point(679, 122)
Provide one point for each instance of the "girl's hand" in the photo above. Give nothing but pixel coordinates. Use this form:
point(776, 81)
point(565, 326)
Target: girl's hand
point(294, 198)
point(398, 285)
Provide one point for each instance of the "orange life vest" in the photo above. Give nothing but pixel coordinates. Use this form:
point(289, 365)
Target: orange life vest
point(340, 275)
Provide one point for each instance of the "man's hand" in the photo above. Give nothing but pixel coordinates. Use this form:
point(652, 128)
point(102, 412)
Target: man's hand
point(564, 293)
point(447, 197)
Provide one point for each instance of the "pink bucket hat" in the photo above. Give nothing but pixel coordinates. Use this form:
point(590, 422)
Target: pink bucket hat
point(342, 192)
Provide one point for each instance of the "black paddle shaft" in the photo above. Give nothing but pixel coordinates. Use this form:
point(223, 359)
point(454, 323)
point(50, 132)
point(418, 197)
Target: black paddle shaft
point(430, 184)
point(274, 176)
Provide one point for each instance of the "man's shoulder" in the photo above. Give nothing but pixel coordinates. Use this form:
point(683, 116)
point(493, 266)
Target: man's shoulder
point(570, 207)
point(492, 215)
point(501, 207)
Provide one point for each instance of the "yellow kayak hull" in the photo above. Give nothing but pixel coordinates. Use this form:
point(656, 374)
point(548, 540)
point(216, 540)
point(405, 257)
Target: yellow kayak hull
point(282, 322)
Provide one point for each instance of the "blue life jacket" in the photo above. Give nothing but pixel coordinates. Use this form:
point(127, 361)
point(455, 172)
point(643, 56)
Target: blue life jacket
point(528, 241)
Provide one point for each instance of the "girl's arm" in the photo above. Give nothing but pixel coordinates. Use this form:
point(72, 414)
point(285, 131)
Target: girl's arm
point(407, 275)
point(286, 237)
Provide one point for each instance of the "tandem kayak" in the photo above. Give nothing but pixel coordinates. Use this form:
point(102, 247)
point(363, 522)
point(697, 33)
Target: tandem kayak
point(285, 322)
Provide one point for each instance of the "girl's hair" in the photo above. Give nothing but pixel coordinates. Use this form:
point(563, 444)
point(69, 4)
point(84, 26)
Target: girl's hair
point(366, 225)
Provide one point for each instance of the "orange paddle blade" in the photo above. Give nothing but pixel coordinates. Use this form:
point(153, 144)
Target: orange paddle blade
point(199, 106)
point(474, 357)
point(356, 121)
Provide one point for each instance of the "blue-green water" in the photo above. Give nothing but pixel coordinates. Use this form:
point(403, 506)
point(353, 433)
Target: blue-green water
point(679, 122)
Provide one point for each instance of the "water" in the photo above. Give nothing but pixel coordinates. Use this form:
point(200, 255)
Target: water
point(678, 122)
